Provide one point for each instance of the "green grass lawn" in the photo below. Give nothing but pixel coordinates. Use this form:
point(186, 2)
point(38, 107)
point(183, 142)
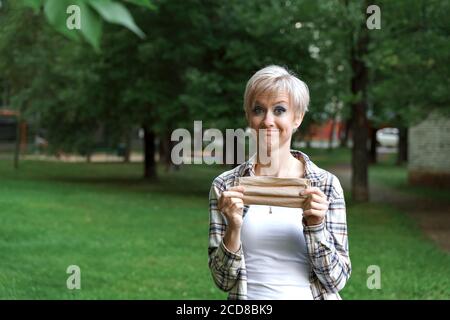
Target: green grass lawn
point(384, 172)
point(327, 158)
point(139, 240)
point(397, 178)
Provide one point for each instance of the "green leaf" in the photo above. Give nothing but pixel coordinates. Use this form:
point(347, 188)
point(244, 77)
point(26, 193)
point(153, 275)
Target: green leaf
point(55, 11)
point(116, 13)
point(143, 3)
point(91, 26)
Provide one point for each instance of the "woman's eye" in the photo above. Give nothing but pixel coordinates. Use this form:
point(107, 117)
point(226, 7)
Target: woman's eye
point(258, 110)
point(279, 110)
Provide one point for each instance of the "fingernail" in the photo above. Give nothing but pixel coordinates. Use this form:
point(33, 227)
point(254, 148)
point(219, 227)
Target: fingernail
point(302, 192)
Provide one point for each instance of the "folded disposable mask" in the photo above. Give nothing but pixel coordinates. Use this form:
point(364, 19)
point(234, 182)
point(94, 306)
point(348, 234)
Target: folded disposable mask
point(273, 191)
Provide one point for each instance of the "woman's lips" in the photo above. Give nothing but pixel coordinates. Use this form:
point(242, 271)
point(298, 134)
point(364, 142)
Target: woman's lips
point(271, 131)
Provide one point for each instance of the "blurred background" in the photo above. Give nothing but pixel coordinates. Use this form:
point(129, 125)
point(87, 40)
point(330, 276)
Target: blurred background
point(91, 91)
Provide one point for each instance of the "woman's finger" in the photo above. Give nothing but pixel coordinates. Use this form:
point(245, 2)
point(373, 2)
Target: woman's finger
point(226, 203)
point(232, 194)
point(237, 188)
point(233, 205)
point(313, 212)
point(313, 190)
point(229, 201)
point(317, 198)
point(318, 206)
point(238, 205)
point(237, 200)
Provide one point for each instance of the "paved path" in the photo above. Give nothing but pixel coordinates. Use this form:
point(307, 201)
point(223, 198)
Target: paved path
point(433, 217)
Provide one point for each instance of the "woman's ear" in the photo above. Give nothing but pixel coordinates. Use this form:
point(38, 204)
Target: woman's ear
point(298, 120)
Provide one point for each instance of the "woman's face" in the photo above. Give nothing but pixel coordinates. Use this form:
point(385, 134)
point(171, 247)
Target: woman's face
point(274, 113)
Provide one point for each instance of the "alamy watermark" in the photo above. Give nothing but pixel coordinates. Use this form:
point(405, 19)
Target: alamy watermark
point(237, 145)
point(374, 20)
point(74, 280)
point(374, 280)
point(74, 20)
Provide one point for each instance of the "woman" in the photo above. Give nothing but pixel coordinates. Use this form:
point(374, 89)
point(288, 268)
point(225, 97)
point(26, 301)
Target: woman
point(261, 252)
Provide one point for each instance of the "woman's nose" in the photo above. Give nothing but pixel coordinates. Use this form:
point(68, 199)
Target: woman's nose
point(268, 120)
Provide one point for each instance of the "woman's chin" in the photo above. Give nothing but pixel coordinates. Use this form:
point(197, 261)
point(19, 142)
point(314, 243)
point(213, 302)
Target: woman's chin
point(270, 147)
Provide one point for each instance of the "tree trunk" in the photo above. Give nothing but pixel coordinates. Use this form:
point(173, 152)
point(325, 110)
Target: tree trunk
point(162, 150)
point(344, 137)
point(18, 140)
point(149, 153)
point(165, 149)
point(127, 151)
point(360, 190)
point(402, 154)
point(331, 137)
point(373, 145)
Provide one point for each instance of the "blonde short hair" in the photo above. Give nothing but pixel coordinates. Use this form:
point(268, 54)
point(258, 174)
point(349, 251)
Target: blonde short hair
point(273, 79)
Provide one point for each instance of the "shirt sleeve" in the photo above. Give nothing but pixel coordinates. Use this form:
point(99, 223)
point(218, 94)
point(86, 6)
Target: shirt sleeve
point(224, 264)
point(327, 243)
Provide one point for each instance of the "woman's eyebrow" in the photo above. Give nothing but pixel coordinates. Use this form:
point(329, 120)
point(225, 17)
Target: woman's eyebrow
point(281, 102)
point(263, 105)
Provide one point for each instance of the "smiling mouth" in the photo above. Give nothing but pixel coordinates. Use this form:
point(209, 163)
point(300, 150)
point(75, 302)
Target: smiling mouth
point(271, 130)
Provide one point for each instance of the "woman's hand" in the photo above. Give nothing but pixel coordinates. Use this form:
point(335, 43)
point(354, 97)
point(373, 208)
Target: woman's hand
point(231, 204)
point(316, 206)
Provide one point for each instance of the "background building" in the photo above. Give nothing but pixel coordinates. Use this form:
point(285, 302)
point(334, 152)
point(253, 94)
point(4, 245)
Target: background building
point(429, 149)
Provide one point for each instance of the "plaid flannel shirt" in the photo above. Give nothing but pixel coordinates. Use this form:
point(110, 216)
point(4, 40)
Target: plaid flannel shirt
point(327, 243)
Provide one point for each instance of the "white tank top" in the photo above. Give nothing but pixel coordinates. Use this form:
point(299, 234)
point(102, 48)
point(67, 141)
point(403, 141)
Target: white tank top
point(275, 254)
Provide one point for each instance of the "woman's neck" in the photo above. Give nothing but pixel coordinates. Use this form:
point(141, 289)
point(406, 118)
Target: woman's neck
point(281, 163)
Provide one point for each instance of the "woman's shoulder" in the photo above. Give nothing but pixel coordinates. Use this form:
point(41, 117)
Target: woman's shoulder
point(320, 177)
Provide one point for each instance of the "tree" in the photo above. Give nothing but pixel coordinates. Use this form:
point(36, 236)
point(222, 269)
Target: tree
point(196, 67)
point(409, 65)
point(60, 92)
point(83, 19)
